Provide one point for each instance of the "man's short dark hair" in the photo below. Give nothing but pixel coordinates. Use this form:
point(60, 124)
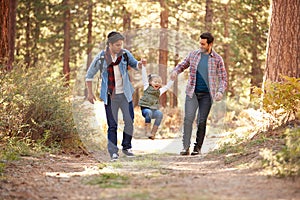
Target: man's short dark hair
point(208, 36)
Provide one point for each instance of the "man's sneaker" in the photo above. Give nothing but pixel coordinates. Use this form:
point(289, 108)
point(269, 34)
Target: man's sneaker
point(128, 152)
point(196, 151)
point(185, 152)
point(114, 157)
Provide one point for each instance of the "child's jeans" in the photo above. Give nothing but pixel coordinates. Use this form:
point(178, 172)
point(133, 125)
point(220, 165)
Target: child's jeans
point(152, 114)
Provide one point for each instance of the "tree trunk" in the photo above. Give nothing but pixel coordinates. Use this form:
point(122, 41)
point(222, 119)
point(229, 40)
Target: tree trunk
point(208, 15)
point(226, 44)
point(27, 34)
point(36, 34)
point(90, 31)
point(4, 43)
point(11, 33)
point(256, 71)
point(89, 38)
point(127, 28)
point(284, 41)
point(163, 48)
point(174, 101)
point(67, 25)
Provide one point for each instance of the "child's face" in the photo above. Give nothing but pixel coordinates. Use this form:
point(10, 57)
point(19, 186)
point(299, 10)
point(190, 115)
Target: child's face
point(156, 83)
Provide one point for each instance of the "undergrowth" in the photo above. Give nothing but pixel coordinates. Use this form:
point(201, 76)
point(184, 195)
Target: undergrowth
point(35, 113)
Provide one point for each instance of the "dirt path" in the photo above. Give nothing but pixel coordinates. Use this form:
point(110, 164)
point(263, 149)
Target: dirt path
point(147, 176)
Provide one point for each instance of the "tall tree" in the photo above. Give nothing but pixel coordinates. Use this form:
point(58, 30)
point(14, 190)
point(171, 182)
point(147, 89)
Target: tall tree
point(89, 34)
point(284, 41)
point(226, 44)
point(11, 32)
point(163, 47)
point(67, 27)
point(208, 15)
point(7, 33)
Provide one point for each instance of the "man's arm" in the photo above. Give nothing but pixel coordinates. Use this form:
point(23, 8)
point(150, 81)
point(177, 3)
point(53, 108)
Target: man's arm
point(91, 97)
point(180, 67)
point(222, 79)
point(93, 69)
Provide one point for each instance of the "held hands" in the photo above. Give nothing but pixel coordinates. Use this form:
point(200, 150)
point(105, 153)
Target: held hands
point(218, 96)
point(173, 75)
point(143, 62)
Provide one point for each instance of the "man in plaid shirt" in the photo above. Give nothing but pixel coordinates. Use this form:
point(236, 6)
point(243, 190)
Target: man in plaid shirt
point(207, 83)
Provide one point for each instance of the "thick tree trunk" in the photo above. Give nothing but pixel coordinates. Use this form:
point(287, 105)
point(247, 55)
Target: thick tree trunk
point(163, 48)
point(66, 58)
point(284, 41)
point(4, 20)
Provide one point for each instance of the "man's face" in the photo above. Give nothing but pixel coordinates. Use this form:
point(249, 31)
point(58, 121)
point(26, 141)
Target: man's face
point(205, 48)
point(116, 47)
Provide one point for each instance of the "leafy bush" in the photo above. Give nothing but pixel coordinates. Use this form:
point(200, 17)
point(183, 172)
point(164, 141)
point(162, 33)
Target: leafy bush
point(283, 95)
point(35, 104)
point(286, 162)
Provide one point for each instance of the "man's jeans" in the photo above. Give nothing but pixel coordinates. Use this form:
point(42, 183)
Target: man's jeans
point(203, 102)
point(118, 101)
point(152, 114)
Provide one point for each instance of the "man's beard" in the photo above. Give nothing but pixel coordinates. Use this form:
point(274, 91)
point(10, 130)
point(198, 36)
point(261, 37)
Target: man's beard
point(203, 50)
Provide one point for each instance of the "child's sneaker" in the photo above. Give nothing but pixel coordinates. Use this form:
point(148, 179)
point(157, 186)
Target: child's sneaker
point(128, 152)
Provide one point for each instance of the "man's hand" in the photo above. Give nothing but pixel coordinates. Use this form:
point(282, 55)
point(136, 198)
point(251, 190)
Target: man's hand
point(91, 98)
point(143, 62)
point(173, 75)
point(218, 96)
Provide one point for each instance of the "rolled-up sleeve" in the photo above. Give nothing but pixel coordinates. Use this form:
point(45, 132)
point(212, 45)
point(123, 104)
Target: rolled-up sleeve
point(222, 76)
point(93, 68)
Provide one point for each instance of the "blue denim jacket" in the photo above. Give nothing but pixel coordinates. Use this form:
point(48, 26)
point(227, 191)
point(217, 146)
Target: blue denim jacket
point(127, 86)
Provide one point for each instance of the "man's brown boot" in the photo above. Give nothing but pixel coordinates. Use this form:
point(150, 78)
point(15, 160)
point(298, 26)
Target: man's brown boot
point(153, 132)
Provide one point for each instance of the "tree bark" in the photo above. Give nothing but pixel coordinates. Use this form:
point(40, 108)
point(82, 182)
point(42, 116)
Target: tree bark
point(27, 34)
point(284, 41)
point(226, 44)
point(174, 101)
point(163, 48)
point(7, 33)
point(256, 71)
point(67, 27)
point(208, 15)
point(90, 31)
point(4, 20)
point(11, 33)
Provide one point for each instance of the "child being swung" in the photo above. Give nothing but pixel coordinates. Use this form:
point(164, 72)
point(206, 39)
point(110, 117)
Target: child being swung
point(149, 102)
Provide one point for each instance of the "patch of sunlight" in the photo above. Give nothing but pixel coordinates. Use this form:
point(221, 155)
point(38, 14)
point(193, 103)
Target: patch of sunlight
point(87, 171)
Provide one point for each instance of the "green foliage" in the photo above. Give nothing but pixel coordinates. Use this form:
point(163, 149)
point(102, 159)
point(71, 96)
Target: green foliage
point(108, 180)
point(35, 105)
point(283, 95)
point(286, 162)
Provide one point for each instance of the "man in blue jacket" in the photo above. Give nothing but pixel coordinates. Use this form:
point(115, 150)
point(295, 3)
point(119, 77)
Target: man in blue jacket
point(116, 90)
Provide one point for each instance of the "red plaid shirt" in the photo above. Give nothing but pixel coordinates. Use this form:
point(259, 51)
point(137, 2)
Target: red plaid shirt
point(217, 76)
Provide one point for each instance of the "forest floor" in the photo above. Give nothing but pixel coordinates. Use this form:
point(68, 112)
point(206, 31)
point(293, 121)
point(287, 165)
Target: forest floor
point(157, 172)
point(148, 175)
